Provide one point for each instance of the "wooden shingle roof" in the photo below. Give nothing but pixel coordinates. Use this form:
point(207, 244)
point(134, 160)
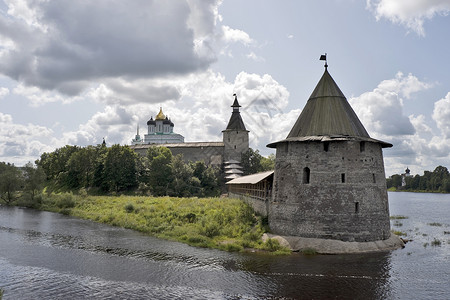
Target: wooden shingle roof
point(328, 114)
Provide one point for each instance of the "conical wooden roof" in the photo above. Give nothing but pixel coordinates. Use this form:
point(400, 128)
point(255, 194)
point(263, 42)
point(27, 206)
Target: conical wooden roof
point(235, 122)
point(328, 116)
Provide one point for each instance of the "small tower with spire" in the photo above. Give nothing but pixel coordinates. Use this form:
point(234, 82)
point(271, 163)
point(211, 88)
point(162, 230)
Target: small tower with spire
point(137, 139)
point(329, 179)
point(235, 136)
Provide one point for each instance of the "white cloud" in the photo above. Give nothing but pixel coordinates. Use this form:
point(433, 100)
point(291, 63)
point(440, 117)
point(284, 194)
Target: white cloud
point(200, 114)
point(411, 14)
point(382, 113)
point(3, 92)
point(70, 45)
point(441, 115)
point(22, 143)
point(236, 35)
point(255, 57)
point(38, 97)
point(381, 110)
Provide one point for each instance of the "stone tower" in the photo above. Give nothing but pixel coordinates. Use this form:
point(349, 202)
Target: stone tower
point(329, 177)
point(235, 136)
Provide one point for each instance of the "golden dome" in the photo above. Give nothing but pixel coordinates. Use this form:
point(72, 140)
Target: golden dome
point(160, 115)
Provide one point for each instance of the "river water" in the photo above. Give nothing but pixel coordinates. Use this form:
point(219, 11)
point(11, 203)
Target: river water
point(50, 256)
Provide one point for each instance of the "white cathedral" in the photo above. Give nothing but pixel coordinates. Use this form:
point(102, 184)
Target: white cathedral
point(160, 131)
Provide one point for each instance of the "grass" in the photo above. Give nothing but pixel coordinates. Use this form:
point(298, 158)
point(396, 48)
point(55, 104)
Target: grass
point(398, 224)
point(221, 223)
point(399, 233)
point(1, 293)
point(436, 243)
point(309, 251)
point(398, 217)
point(435, 224)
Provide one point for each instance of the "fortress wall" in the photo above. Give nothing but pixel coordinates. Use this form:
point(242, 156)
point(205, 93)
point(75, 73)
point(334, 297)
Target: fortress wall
point(344, 197)
point(211, 155)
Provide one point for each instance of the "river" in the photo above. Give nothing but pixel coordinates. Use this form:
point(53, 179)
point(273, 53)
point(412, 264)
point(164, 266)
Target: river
point(51, 256)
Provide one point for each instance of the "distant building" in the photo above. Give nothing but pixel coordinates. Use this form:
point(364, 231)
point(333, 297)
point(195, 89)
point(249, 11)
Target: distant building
point(160, 131)
point(235, 141)
point(405, 175)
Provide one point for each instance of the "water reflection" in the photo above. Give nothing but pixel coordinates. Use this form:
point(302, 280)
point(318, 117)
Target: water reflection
point(45, 255)
point(330, 276)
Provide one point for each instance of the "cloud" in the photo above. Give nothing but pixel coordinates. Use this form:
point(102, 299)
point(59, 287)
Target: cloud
point(200, 114)
point(381, 110)
point(255, 57)
point(22, 143)
point(38, 97)
point(67, 45)
point(236, 35)
point(415, 144)
point(3, 92)
point(411, 14)
point(441, 115)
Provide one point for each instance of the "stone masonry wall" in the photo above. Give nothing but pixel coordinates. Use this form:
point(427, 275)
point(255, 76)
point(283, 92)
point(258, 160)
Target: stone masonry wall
point(236, 143)
point(343, 197)
point(211, 155)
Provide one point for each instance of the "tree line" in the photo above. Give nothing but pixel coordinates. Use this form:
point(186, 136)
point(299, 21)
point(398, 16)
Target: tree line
point(101, 170)
point(436, 181)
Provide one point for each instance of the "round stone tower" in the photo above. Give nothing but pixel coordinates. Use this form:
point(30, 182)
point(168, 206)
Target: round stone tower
point(329, 177)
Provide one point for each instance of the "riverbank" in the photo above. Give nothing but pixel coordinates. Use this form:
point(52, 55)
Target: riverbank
point(221, 223)
point(328, 246)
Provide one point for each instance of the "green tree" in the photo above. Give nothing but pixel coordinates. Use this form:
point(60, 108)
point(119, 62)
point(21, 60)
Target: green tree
point(10, 182)
point(54, 164)
point(395, 181)
point(182, 183)
point(81, 167)
point(120, 168)
point(34, 178)
point(268, 163)
point(160, 175)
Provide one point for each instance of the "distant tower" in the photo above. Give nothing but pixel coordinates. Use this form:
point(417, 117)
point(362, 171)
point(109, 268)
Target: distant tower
point(329, 177)
point(235, 136)
point(404, 175)
point(137, 139)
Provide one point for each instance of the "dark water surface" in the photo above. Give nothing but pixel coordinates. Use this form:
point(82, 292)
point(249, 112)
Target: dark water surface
point(50, 256)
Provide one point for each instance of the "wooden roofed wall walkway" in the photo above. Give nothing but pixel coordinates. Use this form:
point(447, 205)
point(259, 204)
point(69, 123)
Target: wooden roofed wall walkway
point(255, 189)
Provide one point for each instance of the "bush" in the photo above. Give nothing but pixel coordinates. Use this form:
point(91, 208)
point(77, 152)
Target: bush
point(198, 240)
point(272, 245)
point(309, 251)
point(232, 247)
point(129, 208)
point(65, 201)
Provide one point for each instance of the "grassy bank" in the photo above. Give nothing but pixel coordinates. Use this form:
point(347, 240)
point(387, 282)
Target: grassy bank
point(222, 223)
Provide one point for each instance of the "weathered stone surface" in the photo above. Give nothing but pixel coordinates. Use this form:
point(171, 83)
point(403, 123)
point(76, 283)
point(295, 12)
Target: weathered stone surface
point(334, 190)
point(327, 246)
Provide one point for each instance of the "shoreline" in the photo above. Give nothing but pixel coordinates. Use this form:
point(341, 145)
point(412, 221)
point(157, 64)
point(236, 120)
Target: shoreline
point(328, 246)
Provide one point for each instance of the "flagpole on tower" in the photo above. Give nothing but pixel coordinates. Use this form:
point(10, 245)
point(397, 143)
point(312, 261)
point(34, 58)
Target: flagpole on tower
point(324, 57)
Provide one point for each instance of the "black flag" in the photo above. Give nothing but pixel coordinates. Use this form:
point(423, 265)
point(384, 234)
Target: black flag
point(323, 57)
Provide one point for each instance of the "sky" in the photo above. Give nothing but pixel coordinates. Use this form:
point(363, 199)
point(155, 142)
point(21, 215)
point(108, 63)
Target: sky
point(75, 72)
